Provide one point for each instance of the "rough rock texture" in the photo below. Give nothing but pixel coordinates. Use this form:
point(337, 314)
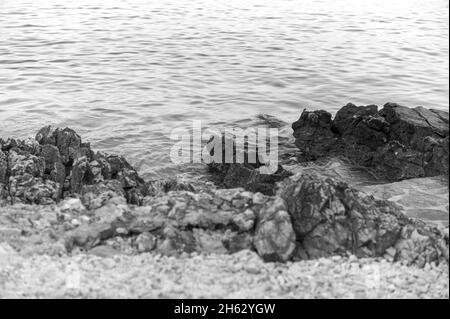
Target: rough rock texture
point(330, 218)
point(247, 174)
point(88, 209)
point(57, 164)
point(396, 142)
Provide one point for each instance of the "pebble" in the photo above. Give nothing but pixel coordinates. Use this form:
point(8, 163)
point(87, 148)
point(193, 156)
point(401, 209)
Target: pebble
point(218, 276)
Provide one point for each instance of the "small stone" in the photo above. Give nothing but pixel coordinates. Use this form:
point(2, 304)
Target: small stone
point(145, 242)
point(75, 222)
point(72, 206)
point(121, 231)
point(259, 198)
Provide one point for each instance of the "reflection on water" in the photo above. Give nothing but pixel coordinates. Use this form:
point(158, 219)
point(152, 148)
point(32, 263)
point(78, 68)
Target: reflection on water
point(124, 73)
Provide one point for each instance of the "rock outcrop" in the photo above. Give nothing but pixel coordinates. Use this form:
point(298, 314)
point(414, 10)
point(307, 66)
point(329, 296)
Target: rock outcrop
point(395, 143)
point(57, 164)
point(330, 218)
point(249, 173)
point(81, 202)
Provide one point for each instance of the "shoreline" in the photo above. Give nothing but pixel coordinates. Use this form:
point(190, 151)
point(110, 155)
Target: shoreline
point(63, 204)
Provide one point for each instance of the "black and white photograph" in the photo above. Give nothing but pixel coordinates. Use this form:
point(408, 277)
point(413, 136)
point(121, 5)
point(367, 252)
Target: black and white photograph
point(227, 155)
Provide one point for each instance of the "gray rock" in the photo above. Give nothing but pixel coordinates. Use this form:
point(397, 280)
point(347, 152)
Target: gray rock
point(275, 239)
point(57, 165)
point(330, 218)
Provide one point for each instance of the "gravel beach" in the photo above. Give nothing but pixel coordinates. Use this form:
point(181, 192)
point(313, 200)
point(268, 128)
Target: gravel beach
point(241, 275)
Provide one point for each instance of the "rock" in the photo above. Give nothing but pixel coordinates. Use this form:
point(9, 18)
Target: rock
point(274, 237)
point(313, 134)
point(145, 242)
point(411, 125)
point(58, 165)
point(26, 180)
point(350, 113)
point(235, 241)
point(81, 175)
point(105, 207)
point(73, 206)
point(395, 143)
point(91, 235)
point(66, 140)
point(330, 218)
point(3, 168)
point(250, 174)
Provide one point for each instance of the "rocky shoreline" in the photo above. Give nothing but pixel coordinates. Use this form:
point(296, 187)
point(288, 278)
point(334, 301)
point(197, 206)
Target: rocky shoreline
point(60, 198)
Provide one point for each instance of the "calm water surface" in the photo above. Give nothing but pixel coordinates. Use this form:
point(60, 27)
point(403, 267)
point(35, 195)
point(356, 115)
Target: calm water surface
point(125, 73)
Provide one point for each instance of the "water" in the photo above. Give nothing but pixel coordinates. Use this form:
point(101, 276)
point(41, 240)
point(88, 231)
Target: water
point(125, 73)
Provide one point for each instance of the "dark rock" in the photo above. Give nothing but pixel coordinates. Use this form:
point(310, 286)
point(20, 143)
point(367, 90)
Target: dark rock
point(349, 113)
point(239, 175)
point(411, 125)
point(3, 168)
point(58, 164)
point(26, 180)
point(250, 174)
point(66, 140)
point(314, 135)
point(395, 143)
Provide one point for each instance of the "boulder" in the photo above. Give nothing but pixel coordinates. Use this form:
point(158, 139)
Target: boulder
point(396, 142)
point(330, 218)
point(249, 174)
point(275, 239)
point(57, 164)
point(314, 135)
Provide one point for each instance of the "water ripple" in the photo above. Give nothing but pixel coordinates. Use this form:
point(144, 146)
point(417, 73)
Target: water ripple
point(126, 72)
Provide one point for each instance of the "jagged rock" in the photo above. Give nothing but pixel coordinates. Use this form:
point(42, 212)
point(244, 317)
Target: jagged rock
point(26, 180)
point(72, 205)
point(248, 172)
point(240, 175)
point(395, 143)
point(313, 134)
point(145, 242)
point(275, 238)
point(350, 112)
point(66, 140)
point(330, 218)
point(411, 125)
point(54, 167)
point(176, 222)
point(3, 169)
point(308, 217)
point(58, 164)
